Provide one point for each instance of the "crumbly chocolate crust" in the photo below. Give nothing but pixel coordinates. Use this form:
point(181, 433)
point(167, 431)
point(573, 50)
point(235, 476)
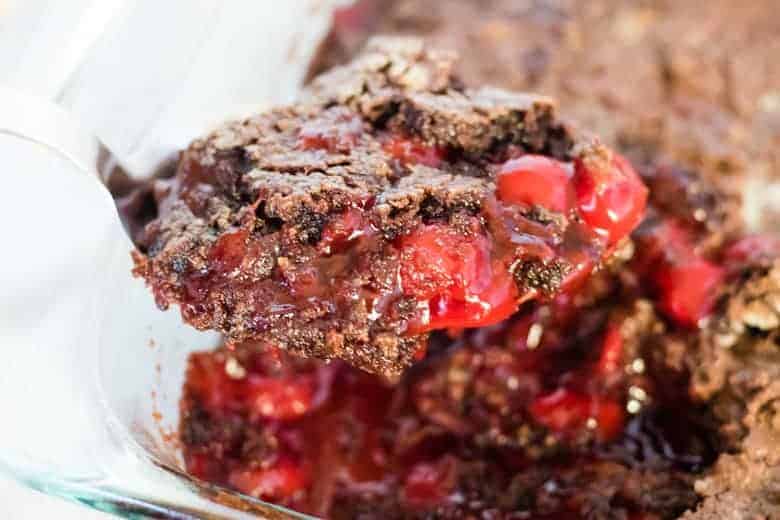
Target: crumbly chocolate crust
point(251, 188)
point(736, 368)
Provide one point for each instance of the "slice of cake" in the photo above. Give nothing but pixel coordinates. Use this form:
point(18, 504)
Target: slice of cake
point(388, 203)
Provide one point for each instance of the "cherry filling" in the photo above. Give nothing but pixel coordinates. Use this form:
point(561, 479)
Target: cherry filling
point(465, 279)
point(283, 478)
point(340, 232)
point(610, 195)
point(411, 151)
point(455, 277)
point(429, 483)
point(688, 289)
point(686, 282)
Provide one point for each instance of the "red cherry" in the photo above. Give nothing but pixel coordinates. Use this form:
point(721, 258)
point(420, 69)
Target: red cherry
point(339, 136)
point(413, 151)
point(229, 251)
point(455, 274)
point(341, 230)
point(429, 483)
point(566, 412)
point(582, 265)
point(420, 353)
point(611, 198)
point(534, 180)
point(488, 307)
point(610, 419)
point(686, 282)
point(611, 351)
point(281, 480)
point(688, 289)
point(207, 380)
point(561, 410)
point(436, 258)
point(667, 241)
point(264, 397)
point(281, 398)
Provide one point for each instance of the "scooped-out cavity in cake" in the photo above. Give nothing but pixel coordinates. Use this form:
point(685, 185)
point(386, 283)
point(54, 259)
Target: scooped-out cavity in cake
point(390, 202)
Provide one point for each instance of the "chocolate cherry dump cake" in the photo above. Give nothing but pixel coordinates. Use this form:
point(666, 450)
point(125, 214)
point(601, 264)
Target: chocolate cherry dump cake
point(641, 385)
point(389, 203)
